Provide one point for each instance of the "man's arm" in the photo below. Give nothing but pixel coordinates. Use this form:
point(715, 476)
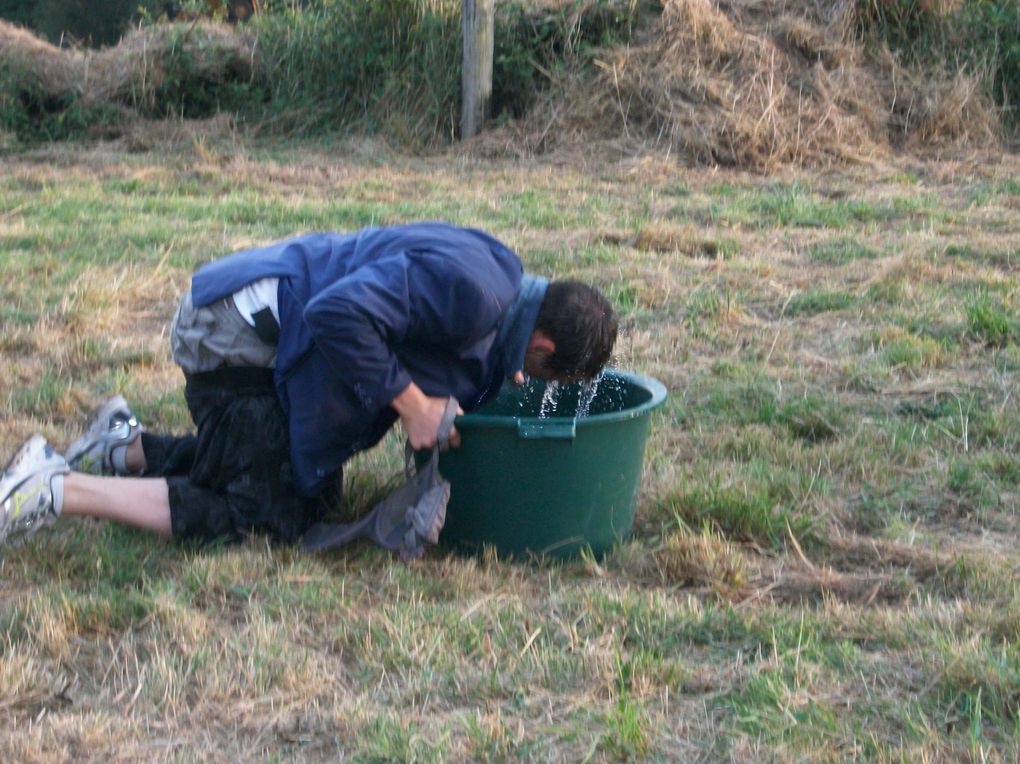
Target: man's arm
point(421, 416)
point(358, 320)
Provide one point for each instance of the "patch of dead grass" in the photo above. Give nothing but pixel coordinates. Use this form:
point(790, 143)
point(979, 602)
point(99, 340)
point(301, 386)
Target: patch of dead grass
point(130, 72)
point(759, 87)
point(365, 659)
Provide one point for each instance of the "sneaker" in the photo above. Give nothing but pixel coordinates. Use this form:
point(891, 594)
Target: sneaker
point(26, 489)
point(112, 425)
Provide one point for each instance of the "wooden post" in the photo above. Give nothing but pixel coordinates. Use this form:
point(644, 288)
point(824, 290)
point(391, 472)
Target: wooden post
point(479, 25)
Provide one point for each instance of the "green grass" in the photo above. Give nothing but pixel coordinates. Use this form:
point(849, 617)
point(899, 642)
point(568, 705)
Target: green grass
point(991, 321)
point(816, 301)
point(823, 565)
point(911, 352)
point(839, 251)
point(760, 515)
point(795, 206)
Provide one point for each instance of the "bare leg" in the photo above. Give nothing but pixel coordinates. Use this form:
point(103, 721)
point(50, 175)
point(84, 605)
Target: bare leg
point(139, 502)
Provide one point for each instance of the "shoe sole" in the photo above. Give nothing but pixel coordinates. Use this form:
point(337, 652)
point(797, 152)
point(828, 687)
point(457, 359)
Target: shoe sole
point(13, 478)
point(37, 442)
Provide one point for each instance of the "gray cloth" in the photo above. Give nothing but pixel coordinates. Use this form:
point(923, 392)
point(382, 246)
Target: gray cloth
point(204, 339)
point(407, 519)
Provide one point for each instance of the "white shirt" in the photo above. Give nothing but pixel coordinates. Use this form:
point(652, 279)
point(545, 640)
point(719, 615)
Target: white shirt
point(257, 296)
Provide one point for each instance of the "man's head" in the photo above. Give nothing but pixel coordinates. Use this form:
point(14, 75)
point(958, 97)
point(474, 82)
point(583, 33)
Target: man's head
point(574, 333)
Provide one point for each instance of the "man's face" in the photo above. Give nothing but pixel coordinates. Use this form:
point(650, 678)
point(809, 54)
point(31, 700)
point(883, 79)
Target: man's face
point(535, 366)
point(536, 358)
point(534, 363)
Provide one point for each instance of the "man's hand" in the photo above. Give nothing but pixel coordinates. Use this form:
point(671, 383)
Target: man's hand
point(421, 416)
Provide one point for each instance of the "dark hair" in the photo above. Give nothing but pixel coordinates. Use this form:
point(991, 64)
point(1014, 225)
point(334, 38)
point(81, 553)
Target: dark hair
point(581, 322)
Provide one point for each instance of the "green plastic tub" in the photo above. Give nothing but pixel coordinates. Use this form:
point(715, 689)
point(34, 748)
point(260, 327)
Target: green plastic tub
point(533, 477)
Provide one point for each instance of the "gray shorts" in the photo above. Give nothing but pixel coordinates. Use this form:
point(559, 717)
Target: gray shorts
point(216, 335)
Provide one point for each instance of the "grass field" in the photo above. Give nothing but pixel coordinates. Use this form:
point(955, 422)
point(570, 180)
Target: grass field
point(825, 563)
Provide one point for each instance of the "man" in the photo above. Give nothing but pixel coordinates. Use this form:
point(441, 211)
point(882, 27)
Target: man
point(296, 356)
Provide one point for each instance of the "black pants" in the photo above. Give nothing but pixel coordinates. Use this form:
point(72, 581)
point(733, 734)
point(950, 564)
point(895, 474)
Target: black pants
point(233, 477)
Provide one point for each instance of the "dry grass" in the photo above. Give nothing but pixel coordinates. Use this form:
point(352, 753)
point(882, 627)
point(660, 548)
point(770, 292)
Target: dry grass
point(827, 375)
point(735, 83)
point(759, 86)
point(130, 73)
point(877, 631)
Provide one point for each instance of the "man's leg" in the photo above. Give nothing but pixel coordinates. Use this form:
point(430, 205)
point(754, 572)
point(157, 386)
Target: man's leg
point(231, 479)
point(37, 486)
point(138, 502)
point(251, 492)
point(241, 480)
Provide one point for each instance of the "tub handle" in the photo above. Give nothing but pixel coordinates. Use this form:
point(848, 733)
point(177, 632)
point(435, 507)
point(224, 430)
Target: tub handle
point(563, 429)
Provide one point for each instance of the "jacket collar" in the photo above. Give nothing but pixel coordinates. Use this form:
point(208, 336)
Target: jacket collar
point(519, 323)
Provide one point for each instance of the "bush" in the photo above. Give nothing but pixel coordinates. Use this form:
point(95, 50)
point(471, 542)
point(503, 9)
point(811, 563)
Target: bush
point(394, 65)
point(994, 27)
point(387, 63)
point(80, 21)
point(386, 66)
point(980, 35)
point(198, 77)
point(533, 43)
point(17, 11)
point(32, 114)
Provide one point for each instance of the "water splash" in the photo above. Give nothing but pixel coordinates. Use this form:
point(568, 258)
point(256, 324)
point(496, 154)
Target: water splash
point(589, 389)
point(552, 391)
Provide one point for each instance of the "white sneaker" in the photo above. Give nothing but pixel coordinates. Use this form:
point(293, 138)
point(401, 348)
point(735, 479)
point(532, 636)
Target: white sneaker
point(110, 426)
point(26, 489)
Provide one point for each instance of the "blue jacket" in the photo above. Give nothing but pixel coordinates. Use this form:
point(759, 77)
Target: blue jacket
point(364, 314)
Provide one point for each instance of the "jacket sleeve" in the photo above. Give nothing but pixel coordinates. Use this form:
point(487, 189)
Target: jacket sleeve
point(360, 321)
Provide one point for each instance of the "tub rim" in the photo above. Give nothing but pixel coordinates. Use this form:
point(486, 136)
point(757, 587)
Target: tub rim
point(653, 386)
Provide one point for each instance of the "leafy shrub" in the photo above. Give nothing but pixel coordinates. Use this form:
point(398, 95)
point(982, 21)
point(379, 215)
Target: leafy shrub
point(17, 11)
point(82, 21)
